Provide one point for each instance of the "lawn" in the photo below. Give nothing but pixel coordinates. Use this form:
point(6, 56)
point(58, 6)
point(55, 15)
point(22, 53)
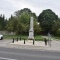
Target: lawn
point(56, 37)
point(37, 37)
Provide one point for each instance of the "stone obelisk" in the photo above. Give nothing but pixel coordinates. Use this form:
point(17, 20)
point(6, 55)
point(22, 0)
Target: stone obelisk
point(31, 30)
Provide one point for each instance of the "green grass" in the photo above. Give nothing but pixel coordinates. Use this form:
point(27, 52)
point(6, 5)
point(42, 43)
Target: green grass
point(37, 37)
point(14, 36)
point(56, 37)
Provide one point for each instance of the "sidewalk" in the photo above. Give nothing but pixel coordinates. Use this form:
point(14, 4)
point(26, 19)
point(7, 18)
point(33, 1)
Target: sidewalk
point(39, 45)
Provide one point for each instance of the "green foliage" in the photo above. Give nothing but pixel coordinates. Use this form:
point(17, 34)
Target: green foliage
point(24, 17)
point(49, 22)
point(37, 28)
point(46, 19)
point(56, 26)
point(2, 22)
point(25, 10)
point(19, 12)
point(21, 21)
point(20, 28)
point(12, 24)
point(37, 37)
point(58, 32)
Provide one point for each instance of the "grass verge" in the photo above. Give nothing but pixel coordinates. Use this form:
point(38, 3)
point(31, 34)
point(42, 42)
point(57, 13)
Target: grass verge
point(37, 37)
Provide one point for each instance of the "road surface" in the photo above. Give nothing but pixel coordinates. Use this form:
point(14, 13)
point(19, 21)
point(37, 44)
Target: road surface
point(25, 54)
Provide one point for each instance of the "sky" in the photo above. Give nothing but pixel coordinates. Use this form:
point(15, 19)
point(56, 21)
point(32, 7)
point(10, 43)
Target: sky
point(8, 7)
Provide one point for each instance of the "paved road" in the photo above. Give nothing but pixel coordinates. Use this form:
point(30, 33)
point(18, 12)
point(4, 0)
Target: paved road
point(23, 54)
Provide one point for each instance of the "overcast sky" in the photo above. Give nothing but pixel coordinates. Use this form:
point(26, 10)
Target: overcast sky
point(8, 7)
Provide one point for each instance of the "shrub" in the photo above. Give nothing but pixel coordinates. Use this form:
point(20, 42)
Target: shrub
point(58, 32)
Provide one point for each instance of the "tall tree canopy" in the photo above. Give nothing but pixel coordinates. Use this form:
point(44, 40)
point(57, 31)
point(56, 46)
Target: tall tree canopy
point(2, 22)
point(23, 16)
point(19, 12)
point(56, 27)
point(21, 21)
point(47, 19)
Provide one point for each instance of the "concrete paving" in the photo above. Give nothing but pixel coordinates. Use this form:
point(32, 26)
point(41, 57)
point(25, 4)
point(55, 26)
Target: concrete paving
point(29, 42)
point(39, 45)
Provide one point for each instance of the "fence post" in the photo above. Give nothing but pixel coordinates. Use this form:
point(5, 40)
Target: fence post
point(20, 38)
point(17, 39)
point(33, 41)
point(45, 40)
point(24, 41)
point(13, 40)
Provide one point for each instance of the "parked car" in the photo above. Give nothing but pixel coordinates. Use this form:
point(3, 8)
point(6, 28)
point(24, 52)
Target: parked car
point(1, 37)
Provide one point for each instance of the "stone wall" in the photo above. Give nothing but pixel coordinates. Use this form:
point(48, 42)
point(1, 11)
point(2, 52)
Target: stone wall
point(6, 33)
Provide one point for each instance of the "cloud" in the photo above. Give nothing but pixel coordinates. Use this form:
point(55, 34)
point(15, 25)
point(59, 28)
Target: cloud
point(8, 7)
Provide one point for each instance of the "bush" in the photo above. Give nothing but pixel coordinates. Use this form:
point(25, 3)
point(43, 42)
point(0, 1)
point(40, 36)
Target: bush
point(58, 32)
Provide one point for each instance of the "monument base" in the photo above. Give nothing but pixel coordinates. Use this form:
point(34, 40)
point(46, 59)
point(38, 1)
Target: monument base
point(31, 35)
point(30, 38)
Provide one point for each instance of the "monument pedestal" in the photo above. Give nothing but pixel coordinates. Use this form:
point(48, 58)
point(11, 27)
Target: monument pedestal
point(31, 34)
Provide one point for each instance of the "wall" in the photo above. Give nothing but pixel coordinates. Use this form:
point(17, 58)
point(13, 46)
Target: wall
point(6, 33)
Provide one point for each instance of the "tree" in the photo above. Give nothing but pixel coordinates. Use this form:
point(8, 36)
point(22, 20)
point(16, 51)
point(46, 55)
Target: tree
point(12, 24)
point(56, 27)
point(58, 33)
point(21, 21)
point(19, 12)
point(2, 22)
point(46, 19)
point(37, 28)
point(25, 12)
point(23, 16)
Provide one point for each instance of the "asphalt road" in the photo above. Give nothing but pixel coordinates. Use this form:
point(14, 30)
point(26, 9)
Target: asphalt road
point(23, 54)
